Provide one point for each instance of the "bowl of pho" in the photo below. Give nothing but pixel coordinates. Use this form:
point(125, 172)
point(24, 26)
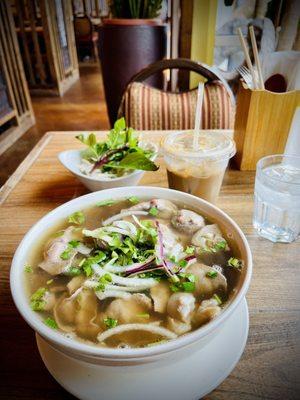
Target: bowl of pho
point(119, 160)
point(129, 277)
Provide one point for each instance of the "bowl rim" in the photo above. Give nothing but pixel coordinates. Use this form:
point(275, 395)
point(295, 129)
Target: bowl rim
point(118, 179)
point(55, 337)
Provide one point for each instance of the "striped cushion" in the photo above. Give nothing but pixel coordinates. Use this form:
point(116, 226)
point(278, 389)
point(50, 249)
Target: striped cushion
point(148, 108)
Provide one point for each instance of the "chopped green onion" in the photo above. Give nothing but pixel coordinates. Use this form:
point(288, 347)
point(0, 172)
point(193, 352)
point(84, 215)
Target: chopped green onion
point(51, 323)
point(105, 279)
point(188, 286)
point(133, 199)
point(220, 245)
point(143, 315)
point(175, 288)
point(77, 218)
point(189, 250)
point(74, 271)
point(100, 287)
point(110, 322)
point(108, 203)
point(212, 274)
point(235, 263)
point(37, 302)
point(82, 262)
point(188, 276)
point(28, 269)
point(174, 278)
point(74, 243)
point(217, 298)
point(153, 211)
point(182, 263)
point(49, 282)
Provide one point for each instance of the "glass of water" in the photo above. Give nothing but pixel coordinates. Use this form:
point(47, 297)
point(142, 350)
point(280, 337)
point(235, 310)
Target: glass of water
point(277, 198)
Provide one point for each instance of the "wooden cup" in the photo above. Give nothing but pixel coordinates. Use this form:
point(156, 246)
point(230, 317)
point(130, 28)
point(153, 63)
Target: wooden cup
point(262, 124)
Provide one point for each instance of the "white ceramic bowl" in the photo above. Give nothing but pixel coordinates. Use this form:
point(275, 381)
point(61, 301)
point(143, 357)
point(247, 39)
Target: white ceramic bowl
point(71, 160)
point(161, 354)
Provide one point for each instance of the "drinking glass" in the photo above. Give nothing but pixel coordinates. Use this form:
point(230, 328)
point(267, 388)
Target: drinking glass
point(277, 198)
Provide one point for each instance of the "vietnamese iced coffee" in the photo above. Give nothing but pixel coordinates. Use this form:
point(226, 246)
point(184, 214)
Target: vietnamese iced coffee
point(197, 171)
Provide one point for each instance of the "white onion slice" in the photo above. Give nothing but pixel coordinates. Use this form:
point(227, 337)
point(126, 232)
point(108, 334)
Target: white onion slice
point(157, 330)
point(135, 282)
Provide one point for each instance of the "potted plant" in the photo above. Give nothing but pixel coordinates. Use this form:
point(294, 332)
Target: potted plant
point(130, 39)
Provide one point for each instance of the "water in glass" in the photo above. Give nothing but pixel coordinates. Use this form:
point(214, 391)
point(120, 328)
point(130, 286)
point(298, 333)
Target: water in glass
point(277, 198)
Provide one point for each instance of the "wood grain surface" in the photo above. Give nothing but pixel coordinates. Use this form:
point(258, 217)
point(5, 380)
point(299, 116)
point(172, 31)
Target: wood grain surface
point(270, 365)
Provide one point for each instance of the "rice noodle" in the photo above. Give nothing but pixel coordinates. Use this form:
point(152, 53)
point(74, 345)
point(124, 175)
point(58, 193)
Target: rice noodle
point(93, 284)
point(121, 215)
point(157, 330)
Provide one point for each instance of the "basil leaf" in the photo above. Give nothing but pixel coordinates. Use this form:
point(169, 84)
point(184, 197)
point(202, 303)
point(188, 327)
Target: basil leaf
point(137, 160)
point(120, 124)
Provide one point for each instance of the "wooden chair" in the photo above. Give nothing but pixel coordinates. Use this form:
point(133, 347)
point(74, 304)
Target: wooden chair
point(148, 108)
point(85, 36)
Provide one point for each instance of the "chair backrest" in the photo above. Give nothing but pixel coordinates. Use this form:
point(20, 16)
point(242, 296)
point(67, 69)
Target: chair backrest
point(82, 26)
point(146, 108)
point(176, 63)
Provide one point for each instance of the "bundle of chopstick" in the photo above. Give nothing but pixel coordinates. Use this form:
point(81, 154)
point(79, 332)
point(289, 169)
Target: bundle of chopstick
point(258, 82)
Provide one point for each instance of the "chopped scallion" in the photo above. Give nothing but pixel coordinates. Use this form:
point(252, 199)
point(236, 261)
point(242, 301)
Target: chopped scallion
point(217, 298)
point(51, 323)
point(28, 269)
point(188, 286)
point(153, 211)
point(133, 199)
point(212, 274)
point(143, 315)
point(110, 322)
point(235, 263)
point(108, 202)
point(76, 218)
point(189, 250)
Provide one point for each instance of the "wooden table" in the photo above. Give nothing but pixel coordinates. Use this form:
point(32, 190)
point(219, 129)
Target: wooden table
point(270, 365)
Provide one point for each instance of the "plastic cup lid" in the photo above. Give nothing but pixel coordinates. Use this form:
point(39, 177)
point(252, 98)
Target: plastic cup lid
point(212, 145)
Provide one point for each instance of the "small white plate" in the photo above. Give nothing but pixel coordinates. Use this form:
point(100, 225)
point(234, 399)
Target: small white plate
point(190, 378)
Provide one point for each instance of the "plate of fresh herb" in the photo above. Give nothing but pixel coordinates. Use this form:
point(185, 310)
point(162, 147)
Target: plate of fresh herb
point(119, 160)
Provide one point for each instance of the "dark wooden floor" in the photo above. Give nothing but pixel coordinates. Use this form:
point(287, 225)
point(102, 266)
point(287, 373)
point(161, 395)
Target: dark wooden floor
point(81, 108)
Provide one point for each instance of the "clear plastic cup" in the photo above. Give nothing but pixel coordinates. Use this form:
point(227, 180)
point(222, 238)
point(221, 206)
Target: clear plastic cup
point(199, 172)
